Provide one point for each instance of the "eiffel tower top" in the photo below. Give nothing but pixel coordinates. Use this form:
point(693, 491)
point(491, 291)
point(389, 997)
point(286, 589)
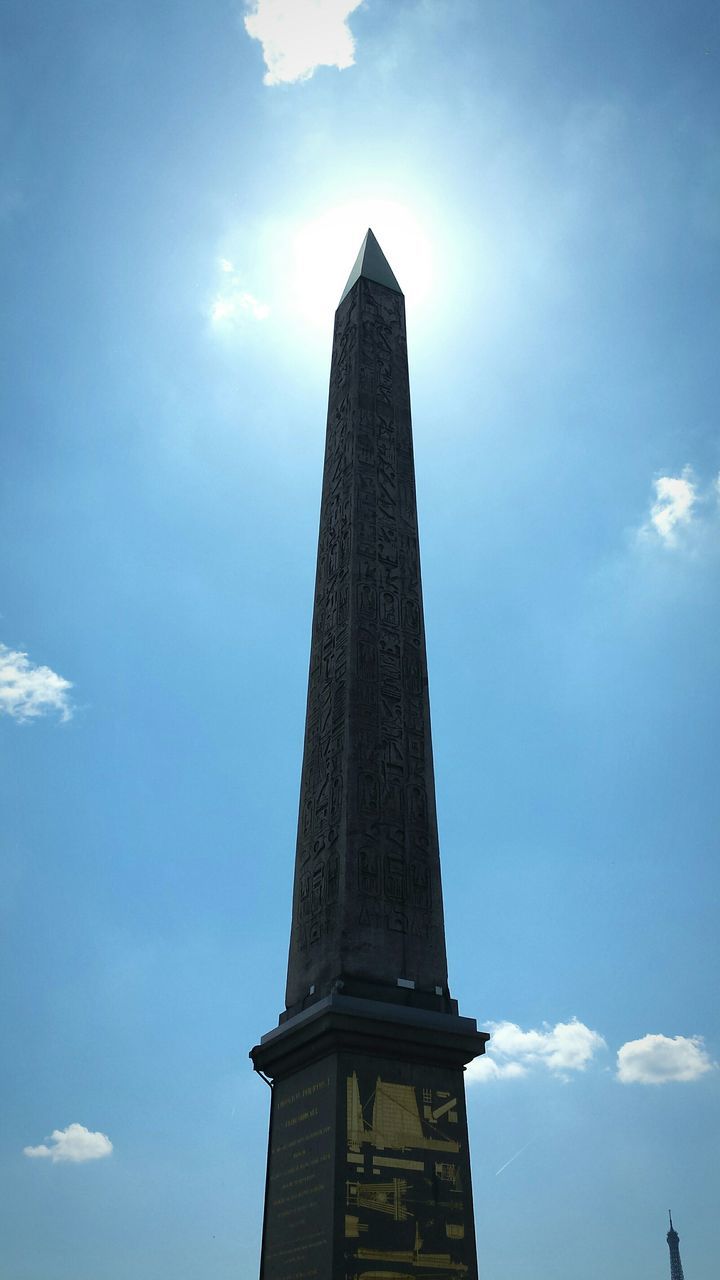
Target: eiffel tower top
point(673, 1239)
point(372, 264)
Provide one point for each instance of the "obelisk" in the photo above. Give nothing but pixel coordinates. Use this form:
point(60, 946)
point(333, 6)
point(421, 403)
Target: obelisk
point(368, 1169)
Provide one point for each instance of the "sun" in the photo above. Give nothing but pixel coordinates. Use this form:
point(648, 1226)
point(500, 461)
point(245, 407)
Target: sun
point(325, 248)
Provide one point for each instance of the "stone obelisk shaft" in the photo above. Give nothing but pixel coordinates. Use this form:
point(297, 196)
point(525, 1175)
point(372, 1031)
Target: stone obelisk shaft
point(367, 906)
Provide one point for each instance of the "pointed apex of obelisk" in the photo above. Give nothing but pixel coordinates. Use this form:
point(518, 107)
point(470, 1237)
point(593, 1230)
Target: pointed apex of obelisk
point(373, 265)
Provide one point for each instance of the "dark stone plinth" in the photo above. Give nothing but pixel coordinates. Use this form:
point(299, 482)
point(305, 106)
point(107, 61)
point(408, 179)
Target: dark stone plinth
point(368, 1168)
point(345, 1023)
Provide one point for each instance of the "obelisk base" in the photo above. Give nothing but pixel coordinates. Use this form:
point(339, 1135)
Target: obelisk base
point(368, 1165)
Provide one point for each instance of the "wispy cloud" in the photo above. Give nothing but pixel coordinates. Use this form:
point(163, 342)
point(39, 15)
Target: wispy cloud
point(488, 1068)
point(28, 691)
point(298, 36)
point(512, 1052)
point(75, 1144)
point(685, 512)
point(675, 498)
point(662, 1060)
point(233, 303)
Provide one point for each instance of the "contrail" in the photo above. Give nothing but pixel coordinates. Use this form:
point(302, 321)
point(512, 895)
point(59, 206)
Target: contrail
point(517, 1153)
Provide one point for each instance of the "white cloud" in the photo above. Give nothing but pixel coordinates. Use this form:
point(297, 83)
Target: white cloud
point(512, 1052)
point(75, 1144)
point(233, 303)
point(675, 497)
point(299, 35)
point(685, 512)
point(27, 691)
point(487, 1068)
point(662, 1059)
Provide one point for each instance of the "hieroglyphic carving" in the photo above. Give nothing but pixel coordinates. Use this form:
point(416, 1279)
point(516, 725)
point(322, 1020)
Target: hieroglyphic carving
point(367, 795)
point(392, 743)
point(323, 782)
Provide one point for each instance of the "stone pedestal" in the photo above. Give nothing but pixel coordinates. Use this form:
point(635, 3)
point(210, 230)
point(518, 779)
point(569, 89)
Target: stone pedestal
point(368, 1168)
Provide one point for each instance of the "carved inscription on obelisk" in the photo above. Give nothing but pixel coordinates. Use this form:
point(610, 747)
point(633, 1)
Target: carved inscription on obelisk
point(367, 901)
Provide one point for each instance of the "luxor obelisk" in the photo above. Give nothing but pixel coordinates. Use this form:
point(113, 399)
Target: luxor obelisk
point(368, 1168)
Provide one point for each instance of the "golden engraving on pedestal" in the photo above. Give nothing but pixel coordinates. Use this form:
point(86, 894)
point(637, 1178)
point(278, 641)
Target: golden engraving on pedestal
point(448, 1173)
point(446, 1109)
point(404, 1126)
point(416, 1257)
point(382, 1197)
point(396, 1121)
point(396, 1162)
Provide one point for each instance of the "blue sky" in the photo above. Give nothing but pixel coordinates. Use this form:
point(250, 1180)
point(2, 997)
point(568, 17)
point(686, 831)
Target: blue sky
point(181, 201)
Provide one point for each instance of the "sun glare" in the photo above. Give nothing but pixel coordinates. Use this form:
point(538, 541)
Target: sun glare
point(325, 250)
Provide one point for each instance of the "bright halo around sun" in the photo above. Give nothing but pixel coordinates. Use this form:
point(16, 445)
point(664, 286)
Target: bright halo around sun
point(325, 250)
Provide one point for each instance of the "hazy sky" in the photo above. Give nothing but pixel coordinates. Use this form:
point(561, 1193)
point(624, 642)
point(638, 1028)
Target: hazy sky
point(184, 189)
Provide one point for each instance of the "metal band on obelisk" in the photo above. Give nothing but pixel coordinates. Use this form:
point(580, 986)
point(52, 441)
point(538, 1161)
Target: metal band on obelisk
point(368, 1166)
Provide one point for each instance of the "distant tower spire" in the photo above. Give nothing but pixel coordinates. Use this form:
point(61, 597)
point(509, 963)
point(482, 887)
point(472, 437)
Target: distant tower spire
point(673, 1239)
